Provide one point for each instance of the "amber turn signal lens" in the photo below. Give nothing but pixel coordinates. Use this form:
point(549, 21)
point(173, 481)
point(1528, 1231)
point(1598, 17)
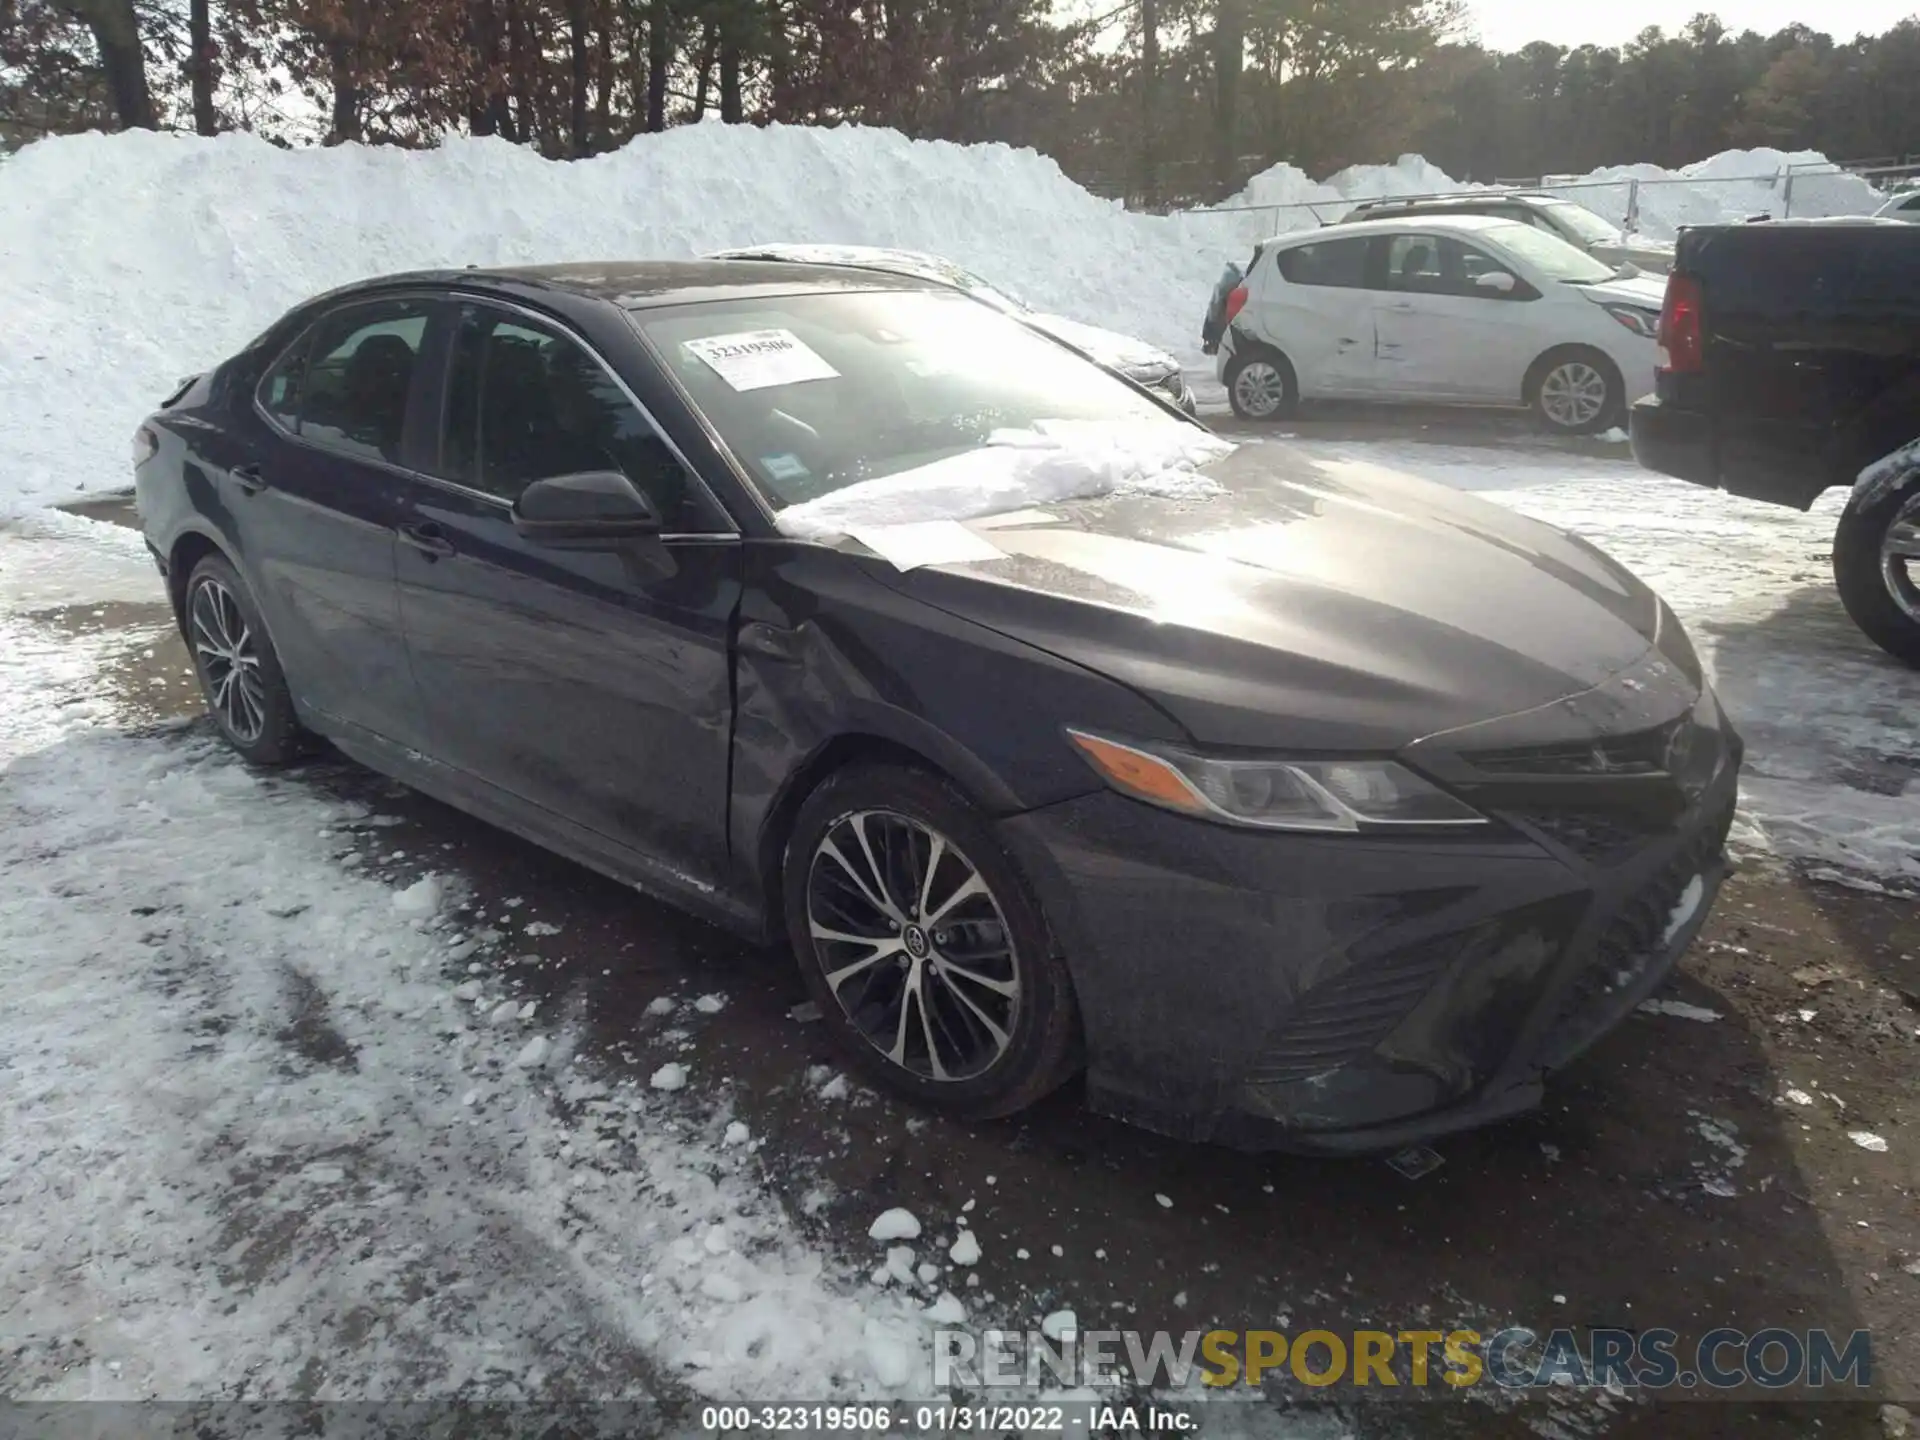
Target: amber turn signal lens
point(1136, 771)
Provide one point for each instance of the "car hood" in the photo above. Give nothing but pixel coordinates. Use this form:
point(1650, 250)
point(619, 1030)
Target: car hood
point(1654, 256)
point(1313, 603)
point(1109, 347)
point(1644, 291)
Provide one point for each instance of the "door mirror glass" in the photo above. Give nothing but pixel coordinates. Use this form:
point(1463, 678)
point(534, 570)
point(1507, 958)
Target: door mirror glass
point(587, 510)
point(1497, 281)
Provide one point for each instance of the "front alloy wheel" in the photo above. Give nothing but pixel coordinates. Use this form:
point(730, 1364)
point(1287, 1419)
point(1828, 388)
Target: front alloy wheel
point(1572, 395)
point(921, 943)
point(913, 945)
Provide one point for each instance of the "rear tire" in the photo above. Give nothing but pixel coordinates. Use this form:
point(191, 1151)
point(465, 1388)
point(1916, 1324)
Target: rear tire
point(238, 669)
point(1876, 565)
point(946, 988)
point(1575, 391)
point(1261, 385)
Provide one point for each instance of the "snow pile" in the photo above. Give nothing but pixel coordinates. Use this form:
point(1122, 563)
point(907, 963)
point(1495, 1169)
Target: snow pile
point(1732, 185)
point(1054, 461)
point(129, 260)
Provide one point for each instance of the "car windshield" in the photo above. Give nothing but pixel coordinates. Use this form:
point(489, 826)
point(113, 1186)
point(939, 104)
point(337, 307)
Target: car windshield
point(1548, 254)
point(817, 392)
point(1591, 228)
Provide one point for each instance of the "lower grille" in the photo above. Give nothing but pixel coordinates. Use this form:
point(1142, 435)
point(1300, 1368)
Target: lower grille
point(1595, 835)
point(1344, 1017)
point(1634, 941)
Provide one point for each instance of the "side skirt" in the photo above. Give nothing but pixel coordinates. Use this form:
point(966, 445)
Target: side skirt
point(549, 831)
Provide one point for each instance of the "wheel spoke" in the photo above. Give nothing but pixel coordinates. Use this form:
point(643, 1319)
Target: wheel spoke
point(880, 905)
point(992, 1025)
point(875, 868)
point(253, 704)
point(934, 856)
point(909, 991)
point(1903, 540)
point(970, 887)
point(950, 968)
point(926, 1024)
point(882, 947)
point(206, 641)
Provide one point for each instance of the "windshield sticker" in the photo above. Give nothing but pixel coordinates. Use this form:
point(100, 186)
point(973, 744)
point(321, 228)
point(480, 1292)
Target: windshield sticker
point(784, 467)
point(759, 359)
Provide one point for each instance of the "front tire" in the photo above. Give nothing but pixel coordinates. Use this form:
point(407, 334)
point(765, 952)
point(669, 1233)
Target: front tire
point(923, 947)
point(239, 672)
point(1876, 565)
point(1575, 392)
point(1261, 385)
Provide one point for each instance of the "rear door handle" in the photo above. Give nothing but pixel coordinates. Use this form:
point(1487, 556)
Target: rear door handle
point(248, 478)
point(428, 538)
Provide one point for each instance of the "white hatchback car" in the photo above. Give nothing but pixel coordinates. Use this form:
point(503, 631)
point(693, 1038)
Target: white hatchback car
point(1467, 310)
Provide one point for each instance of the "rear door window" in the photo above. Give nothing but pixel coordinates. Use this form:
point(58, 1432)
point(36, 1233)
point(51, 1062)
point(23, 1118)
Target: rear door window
point(359, 376)
point(1338, 263)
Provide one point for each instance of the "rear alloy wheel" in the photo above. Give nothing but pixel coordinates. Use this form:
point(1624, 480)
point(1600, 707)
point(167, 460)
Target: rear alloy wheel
point(921, 946)
point(1260, 386)
point(1876, 565)
point(1576, 393)
point(239, 672)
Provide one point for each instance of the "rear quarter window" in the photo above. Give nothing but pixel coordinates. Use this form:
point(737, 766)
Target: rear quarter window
point(1337, 263)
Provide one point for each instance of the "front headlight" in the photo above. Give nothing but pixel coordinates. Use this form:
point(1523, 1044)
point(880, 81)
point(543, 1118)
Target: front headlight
point(1339, 795)
point(1641, 322)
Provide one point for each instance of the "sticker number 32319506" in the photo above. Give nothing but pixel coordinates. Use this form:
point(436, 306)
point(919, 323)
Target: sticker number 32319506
point(759, 359)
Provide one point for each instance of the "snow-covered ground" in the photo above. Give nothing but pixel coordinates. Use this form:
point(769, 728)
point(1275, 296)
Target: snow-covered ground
point(261, 1130)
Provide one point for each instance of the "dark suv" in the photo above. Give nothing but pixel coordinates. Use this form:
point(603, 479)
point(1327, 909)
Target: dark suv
point(1789, 363)
point(1575, 224)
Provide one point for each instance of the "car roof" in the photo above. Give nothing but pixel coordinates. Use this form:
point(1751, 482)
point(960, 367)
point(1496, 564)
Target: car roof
point(644, 284)
point(915, 264)
point(1391, 224)
point(1451, 202)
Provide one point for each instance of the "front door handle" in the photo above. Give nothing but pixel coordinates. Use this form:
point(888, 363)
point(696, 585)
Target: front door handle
point(248, 478)
point(428, 538)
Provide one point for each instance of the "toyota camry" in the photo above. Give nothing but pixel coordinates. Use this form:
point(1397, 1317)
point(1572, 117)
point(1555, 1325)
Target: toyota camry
point(1296, 803)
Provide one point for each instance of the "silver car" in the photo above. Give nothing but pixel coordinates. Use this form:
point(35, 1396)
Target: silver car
point(1140, 362)
point(1575, 224)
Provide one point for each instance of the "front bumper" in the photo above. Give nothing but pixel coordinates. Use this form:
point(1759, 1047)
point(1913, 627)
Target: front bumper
point(1350, 994)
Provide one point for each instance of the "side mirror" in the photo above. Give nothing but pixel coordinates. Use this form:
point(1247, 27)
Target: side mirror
point(1498, 281)
point(594, 509)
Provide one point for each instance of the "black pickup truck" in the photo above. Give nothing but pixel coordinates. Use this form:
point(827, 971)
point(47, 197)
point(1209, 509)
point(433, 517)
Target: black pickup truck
point(1789, 363)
